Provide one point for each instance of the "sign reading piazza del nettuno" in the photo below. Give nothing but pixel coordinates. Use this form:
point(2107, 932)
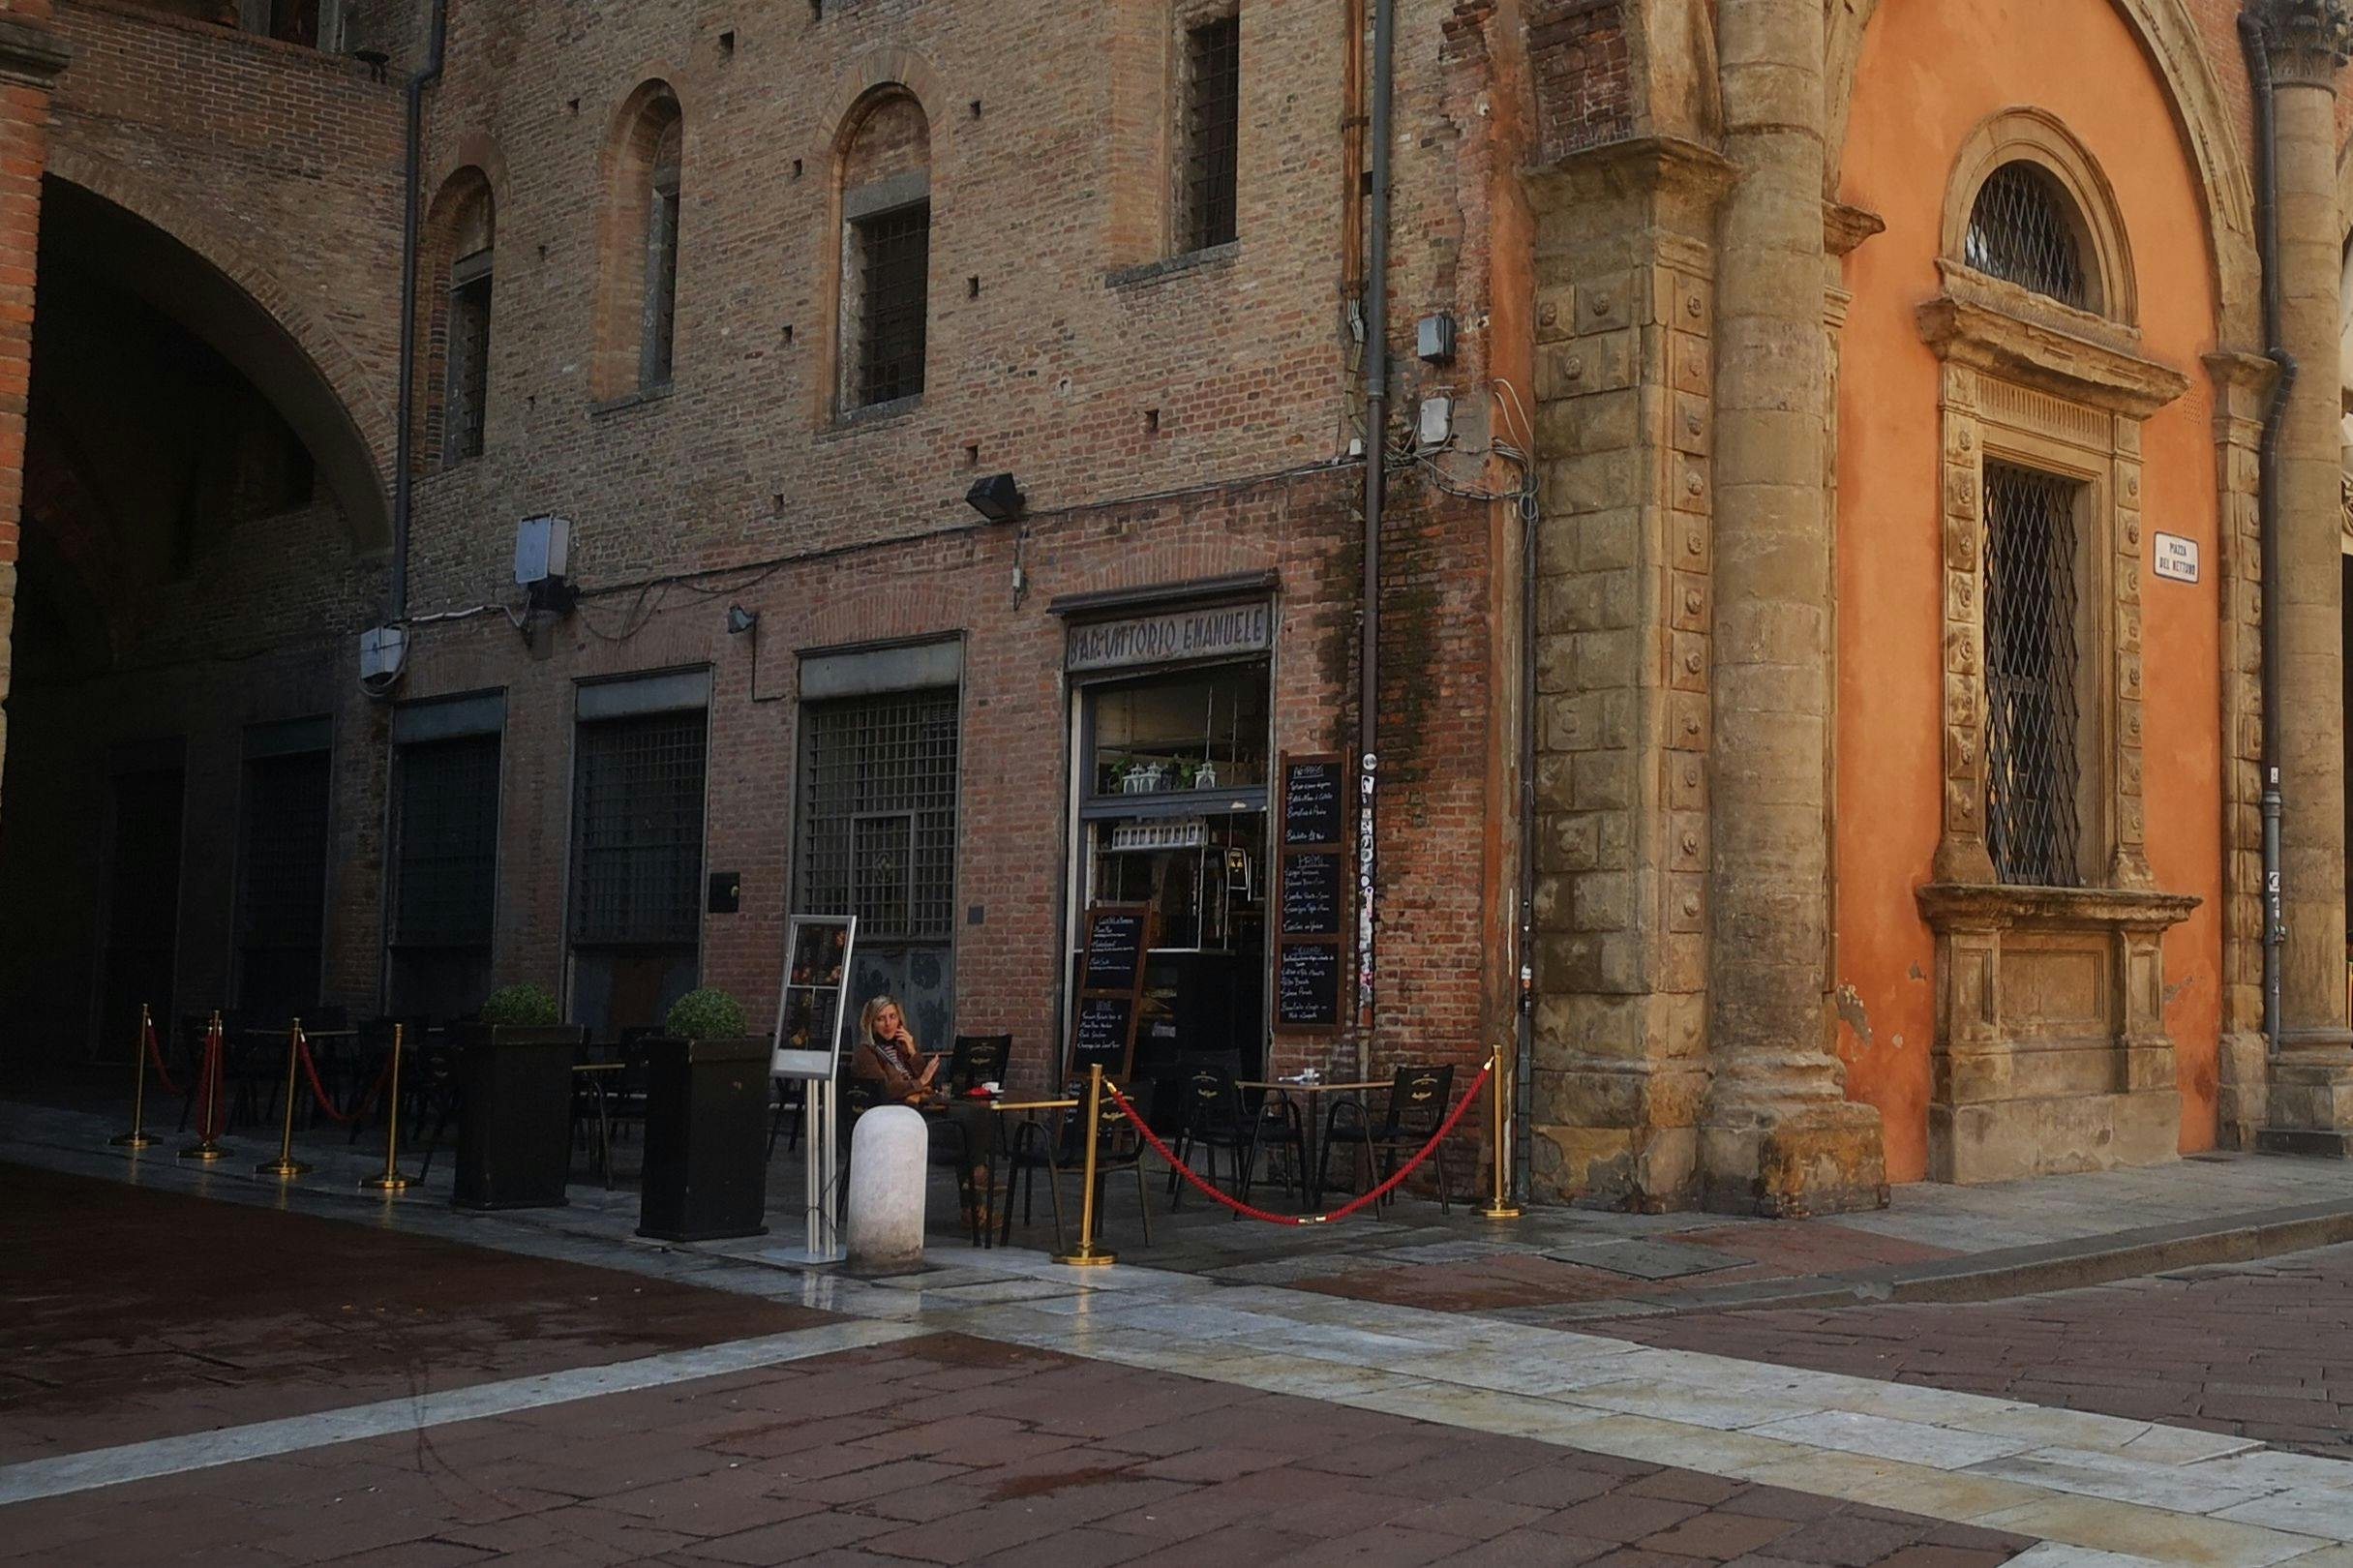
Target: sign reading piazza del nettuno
point(1176, 634)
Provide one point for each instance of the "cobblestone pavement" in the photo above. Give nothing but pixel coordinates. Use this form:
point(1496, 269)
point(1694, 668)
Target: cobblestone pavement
point(2261, 1350)
point(128, 1314)
point(945, 1449)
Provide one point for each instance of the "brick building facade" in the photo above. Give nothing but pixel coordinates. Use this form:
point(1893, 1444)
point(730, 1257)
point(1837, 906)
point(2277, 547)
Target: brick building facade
point(749, 302)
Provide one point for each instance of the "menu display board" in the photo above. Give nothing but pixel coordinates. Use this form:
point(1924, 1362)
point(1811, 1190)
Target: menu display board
point(1311, 892)
point(1306, 985)
point(1110, 989)
point(814, 996)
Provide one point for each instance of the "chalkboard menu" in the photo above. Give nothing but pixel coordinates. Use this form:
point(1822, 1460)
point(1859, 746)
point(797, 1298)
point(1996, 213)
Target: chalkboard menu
point(1311, 892)
point(1314, 810)
point(1110, 989)
point(1115, 950)
point(1306, 985)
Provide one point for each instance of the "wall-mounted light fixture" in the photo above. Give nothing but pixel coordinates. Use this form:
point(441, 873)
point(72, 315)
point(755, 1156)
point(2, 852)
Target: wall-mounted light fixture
point(996, 498)
point(741, 620)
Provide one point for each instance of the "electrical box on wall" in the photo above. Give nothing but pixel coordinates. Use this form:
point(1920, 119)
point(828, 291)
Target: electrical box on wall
point(383, 655)
point(543, 550)
point(1437, 421)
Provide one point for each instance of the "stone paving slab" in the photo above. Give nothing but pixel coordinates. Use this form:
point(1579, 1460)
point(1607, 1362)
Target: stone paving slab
point(970, 1451)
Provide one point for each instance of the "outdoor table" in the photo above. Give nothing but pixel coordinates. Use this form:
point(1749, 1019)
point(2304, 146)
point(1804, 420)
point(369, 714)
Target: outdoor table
point(1310, 1180)
point(1030, 1110)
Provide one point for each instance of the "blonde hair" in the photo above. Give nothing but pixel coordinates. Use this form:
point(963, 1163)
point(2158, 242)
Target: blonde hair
point(873, 1010)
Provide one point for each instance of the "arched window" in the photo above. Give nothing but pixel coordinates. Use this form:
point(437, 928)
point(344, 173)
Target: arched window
point(637, 314)
point(885, 250)
point(464, 224)
point(2023, 230)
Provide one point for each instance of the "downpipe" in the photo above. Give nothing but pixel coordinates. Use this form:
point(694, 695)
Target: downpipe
point(1376, 484)
point(403, 444)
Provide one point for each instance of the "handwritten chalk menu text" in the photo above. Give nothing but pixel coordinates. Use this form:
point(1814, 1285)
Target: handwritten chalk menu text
point(1110, 989)
point(1115, 950)
point(1311, 890)
point(1312, 809)
point(1307, 986)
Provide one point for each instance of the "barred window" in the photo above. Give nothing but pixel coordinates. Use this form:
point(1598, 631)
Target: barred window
point(894, 267)
point(1212, 132)
point(281, 891)
point(2022, 229)
point(2033, 768)
point(638, 830)
point(660, 323)
point(878, 824)
point(445, 825)
point(467, 402)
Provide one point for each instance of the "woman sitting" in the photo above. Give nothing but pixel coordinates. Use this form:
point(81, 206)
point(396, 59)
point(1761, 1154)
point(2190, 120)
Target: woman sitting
point(888, 1055)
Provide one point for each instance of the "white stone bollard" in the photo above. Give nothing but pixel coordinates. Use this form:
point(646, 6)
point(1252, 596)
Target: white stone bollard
point(889, 1152)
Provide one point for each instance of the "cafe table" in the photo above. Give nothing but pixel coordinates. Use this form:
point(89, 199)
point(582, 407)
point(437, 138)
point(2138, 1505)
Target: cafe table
point(1029, 1110)
point(1310, 1180)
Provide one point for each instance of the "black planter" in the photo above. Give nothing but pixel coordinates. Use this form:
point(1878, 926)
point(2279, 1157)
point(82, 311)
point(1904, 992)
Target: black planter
point(705, 1173)
point(514, 1115)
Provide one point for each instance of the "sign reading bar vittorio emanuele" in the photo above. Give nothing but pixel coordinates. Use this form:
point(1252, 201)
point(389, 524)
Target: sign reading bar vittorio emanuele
point(1173, 634)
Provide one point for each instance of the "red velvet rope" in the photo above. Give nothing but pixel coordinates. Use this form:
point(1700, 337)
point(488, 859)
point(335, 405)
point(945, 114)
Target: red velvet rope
point(1193, 1177)
point(155, 1059)
point(319, 1092)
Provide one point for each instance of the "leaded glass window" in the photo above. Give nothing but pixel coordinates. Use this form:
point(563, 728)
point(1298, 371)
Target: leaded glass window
point(2033, 764)
point(878, 826)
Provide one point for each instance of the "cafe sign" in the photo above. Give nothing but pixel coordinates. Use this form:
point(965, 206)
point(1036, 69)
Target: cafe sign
point(1214, 632)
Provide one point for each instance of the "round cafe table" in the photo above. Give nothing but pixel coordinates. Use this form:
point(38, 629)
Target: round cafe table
point(1310, 1180)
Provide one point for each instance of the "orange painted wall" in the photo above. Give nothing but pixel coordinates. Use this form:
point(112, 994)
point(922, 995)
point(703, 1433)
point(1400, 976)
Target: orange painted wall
point(1931, 70)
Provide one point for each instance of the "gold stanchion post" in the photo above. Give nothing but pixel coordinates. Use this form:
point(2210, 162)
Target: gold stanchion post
point(1499, 1205)
point(1089, 1254)
point(207, 1147)
point(138, 1137)
point(391, 1181)
point(286, 1165)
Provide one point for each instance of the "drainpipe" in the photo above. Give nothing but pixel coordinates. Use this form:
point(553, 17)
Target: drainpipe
point(1376, 434)
point(2266, 232)
point(1524, 1023)
point(404, 457)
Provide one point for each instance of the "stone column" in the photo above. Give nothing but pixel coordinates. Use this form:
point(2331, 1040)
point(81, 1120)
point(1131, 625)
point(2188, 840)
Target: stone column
point(2312, 1100)
point(1778, 1136)
point(30, 58)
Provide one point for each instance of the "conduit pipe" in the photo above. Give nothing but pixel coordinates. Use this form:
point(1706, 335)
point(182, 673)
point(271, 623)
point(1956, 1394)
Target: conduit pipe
point(2275, 349)
point(404, 455)
point(1377, 480)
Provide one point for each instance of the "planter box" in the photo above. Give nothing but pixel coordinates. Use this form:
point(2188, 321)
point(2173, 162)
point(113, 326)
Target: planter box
point(706, 1121)
point(515, 1116)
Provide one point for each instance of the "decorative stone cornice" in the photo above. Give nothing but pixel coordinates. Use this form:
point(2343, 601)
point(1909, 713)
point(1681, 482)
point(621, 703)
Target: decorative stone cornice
point(1998, 906)
point(1669, 166)
point(30, 54)
point(1976, 322)
point(1844, 228)
point(2308, 39)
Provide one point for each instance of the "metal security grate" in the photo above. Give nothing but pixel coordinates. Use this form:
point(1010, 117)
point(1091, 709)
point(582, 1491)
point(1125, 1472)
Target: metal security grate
point(637, 832)
point(2020, 230)
point(879, 813)
point(894, 267)
point(2032, 768)
point(447, 850)
point(1213, 125)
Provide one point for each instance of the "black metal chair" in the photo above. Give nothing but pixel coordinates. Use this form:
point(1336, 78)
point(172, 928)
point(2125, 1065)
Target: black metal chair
point(1275, 1125)
point(790, 1098)
point(431, 1086)
point(1416, 1109)
point(1027, 1152)
point(1118, 1147)
point(978, 1059)
point(1212, 1119)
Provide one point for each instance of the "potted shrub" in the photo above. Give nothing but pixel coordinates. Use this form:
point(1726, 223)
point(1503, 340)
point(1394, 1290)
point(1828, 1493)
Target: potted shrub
point(707, 1114)
point(515, 1101)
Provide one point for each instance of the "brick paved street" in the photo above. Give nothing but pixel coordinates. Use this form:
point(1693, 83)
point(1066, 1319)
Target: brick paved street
point(132, 1315)
point(2262, 1350)
point(946, 1449)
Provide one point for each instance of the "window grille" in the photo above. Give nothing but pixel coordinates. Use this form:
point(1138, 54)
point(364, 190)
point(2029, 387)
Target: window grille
point(894, 268)
point(283, 890)
point(638, 830)
point(2031, 767)
point(659, 326)
point(468, 396)
point(879, 813)
point(447, 845)
point(1213, 124)
point(2020, 230)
